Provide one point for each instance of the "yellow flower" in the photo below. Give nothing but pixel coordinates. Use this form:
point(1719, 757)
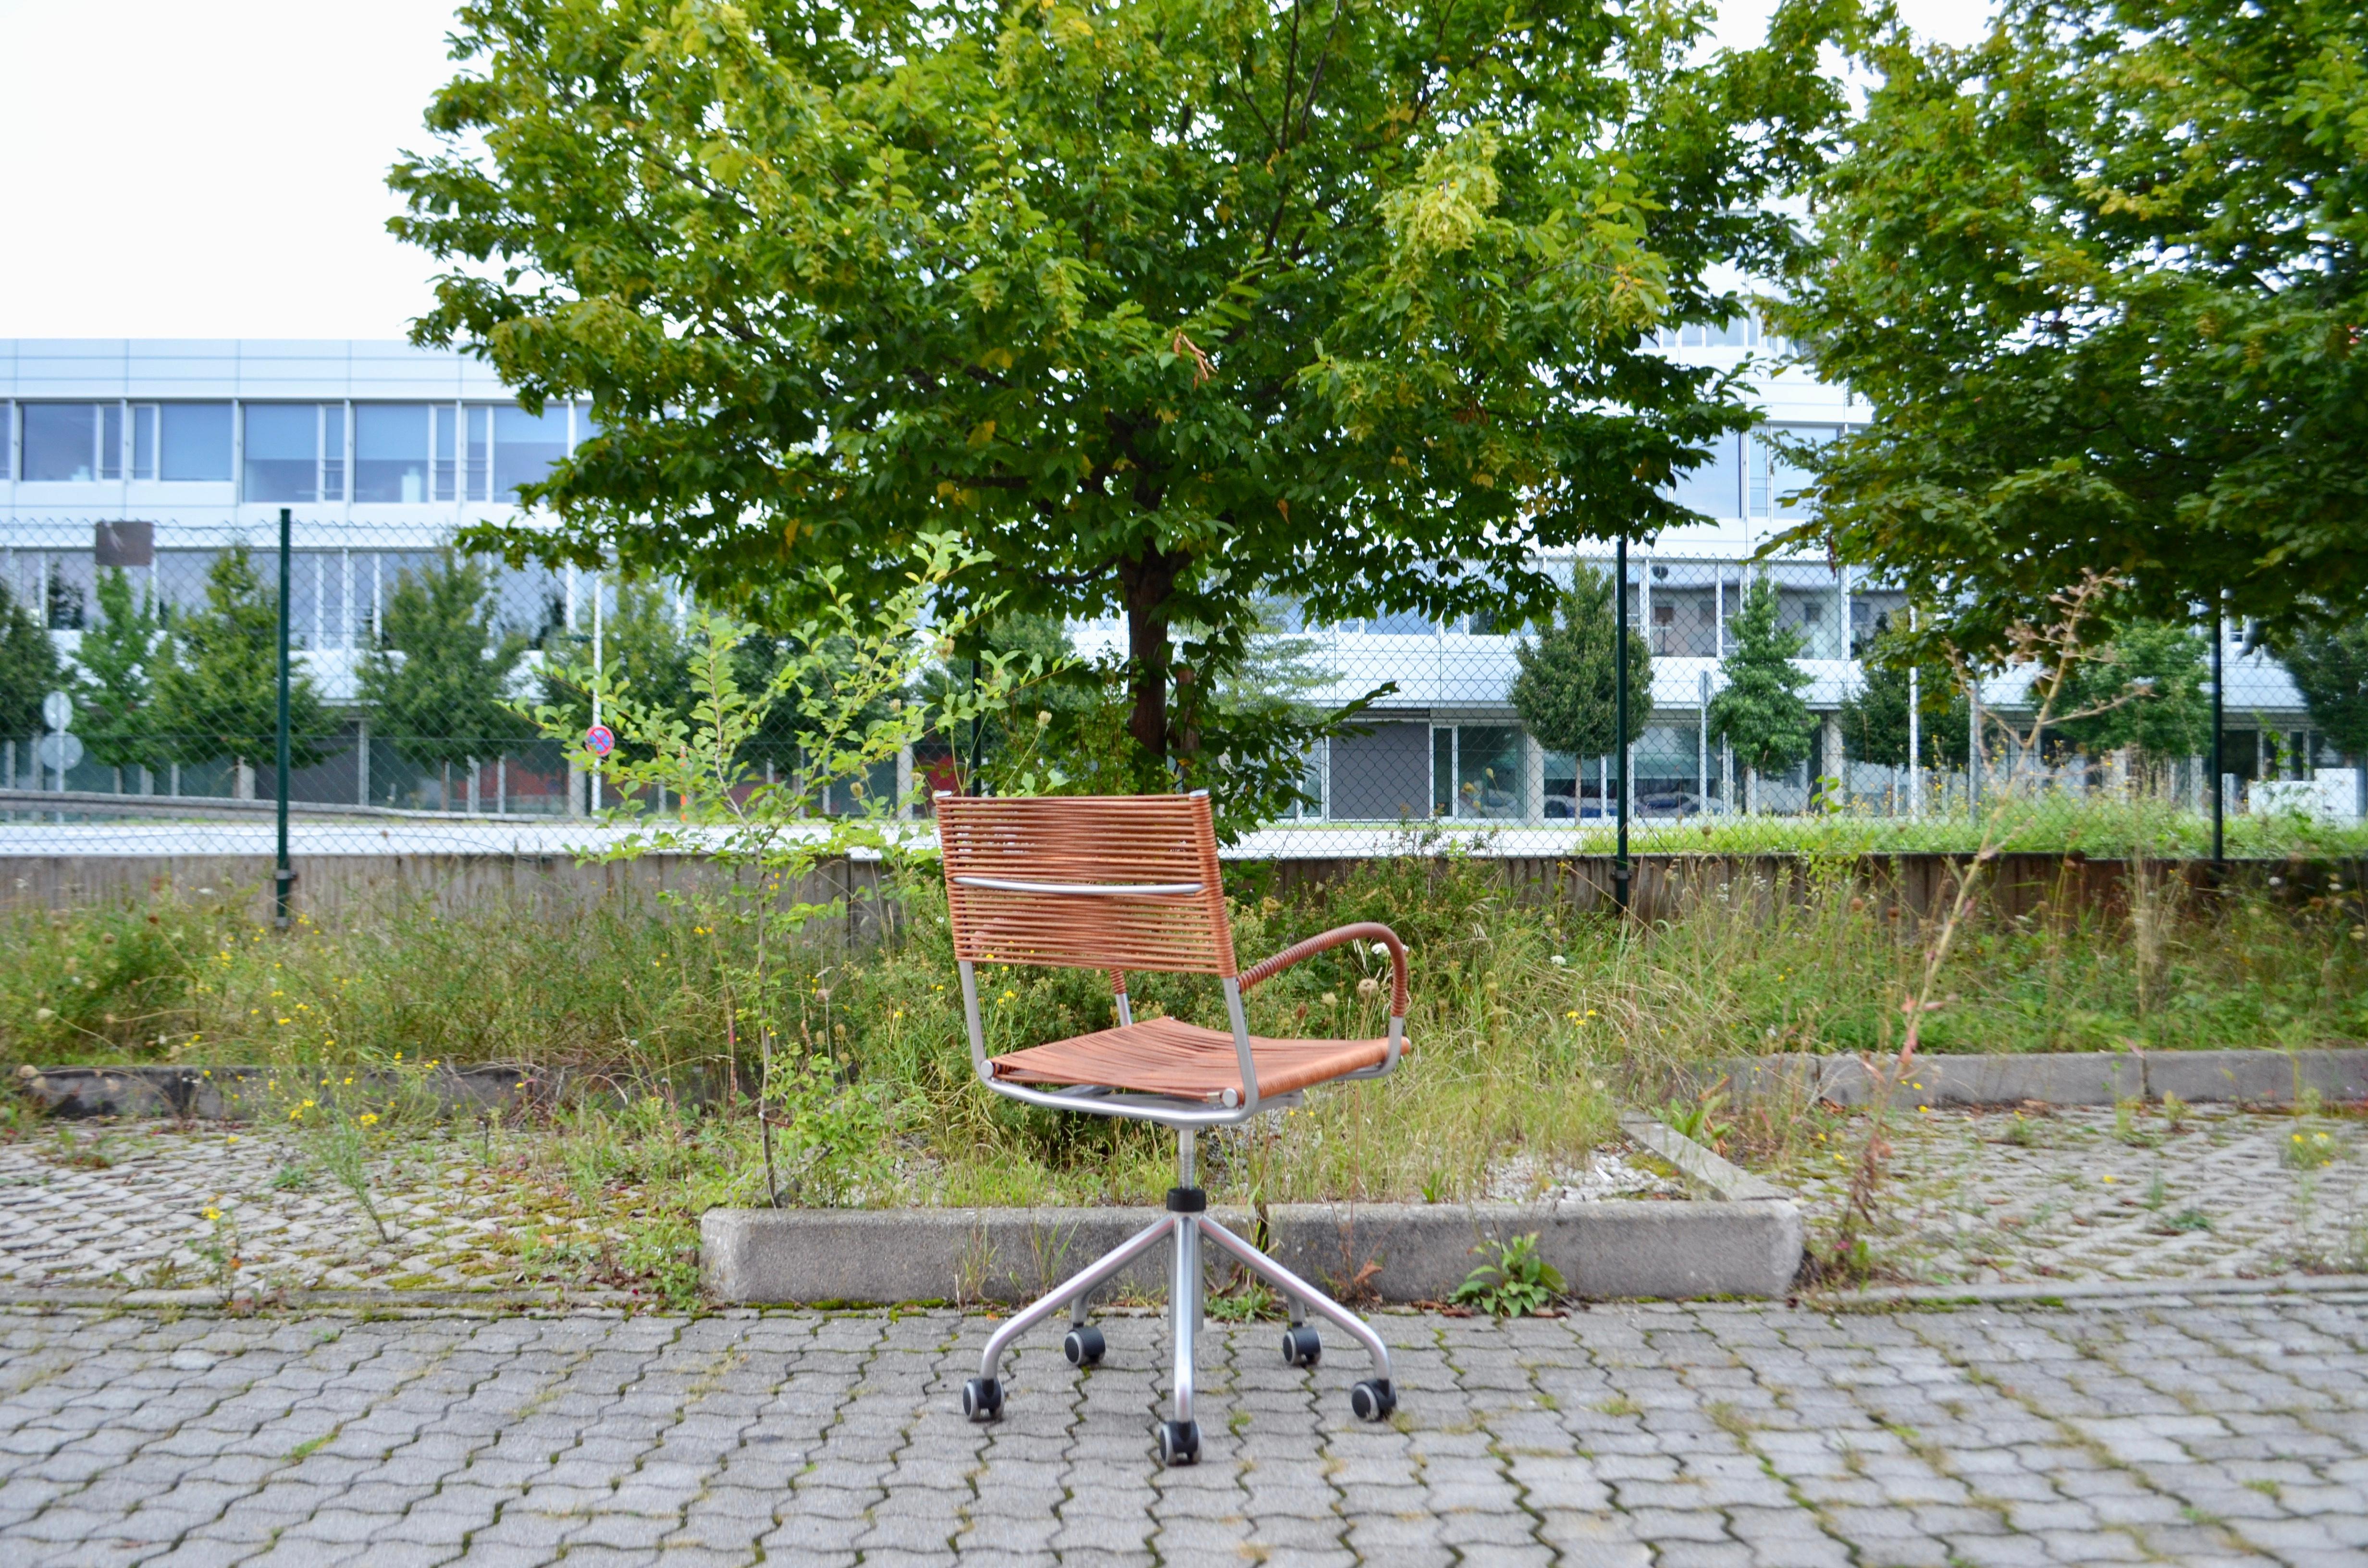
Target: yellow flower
point(213, 1213)
point(2109, 1178)
point(370, 1119)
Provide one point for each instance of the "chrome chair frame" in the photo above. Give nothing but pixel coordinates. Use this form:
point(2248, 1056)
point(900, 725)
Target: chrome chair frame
point(1186, 1224)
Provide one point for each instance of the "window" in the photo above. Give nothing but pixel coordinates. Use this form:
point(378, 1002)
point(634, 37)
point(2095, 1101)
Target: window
point(392, 445)
point(143, 440)
point(62, 442)
point(1401, 623)
point(1775, 477)
point(191, 442)
point(1714, 487)
point(295, 452)
point(461, 461)
point(525, 446)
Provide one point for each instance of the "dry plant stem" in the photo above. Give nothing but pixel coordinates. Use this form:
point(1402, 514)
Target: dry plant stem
point(2058, 648)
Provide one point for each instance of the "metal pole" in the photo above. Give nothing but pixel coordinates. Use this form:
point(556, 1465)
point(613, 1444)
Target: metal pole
point(281, 876)
point(2219, 764)
point(1620, 725)
point(1914, 737)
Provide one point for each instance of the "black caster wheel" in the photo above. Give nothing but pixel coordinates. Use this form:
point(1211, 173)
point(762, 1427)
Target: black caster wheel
point(1300, 1347)
point(1083, 1345)
point(1180, 1442)
point(1372, 1400)
point(983, 1399)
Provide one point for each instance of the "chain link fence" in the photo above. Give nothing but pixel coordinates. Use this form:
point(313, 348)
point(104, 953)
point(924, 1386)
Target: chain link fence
point(409, 665)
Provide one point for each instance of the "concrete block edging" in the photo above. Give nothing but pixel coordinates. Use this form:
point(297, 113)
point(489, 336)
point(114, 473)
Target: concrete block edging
point(1744, 1241)
point(2066, 1078)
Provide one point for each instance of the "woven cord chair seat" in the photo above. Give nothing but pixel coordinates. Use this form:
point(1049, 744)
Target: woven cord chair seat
point(1162, 1056)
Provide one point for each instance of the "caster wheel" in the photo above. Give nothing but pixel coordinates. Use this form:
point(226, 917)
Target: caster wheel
point(1300, 1347)
point(1180, 1442)
point(1083, 1345)
point(1372, 1400)
point(983, 1399)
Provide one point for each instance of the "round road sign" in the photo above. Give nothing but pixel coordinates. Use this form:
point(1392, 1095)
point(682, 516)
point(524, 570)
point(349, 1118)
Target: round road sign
point(599, 740)
point(57, 711)
point(51, 748)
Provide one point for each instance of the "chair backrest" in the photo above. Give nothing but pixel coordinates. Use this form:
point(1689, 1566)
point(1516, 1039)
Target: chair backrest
point(1087, 881)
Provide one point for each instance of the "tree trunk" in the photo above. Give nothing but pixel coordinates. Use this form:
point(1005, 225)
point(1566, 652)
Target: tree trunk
point(1149, 583)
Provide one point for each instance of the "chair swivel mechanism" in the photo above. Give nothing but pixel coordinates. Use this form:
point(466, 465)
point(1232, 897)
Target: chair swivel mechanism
point(1131, 883)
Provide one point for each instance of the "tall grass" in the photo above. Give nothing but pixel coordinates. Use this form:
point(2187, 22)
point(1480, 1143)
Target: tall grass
point(1530, 1022)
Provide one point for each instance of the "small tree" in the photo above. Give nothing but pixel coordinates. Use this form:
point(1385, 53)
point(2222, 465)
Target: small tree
point(29, 668)
point(1569, 685)
point(641, 646)
point(217, 682)
point(116, 686)
point(1875, 718)
point(2331, 668)
point(438, 681)
point(2159, 667)
point(1759, 713)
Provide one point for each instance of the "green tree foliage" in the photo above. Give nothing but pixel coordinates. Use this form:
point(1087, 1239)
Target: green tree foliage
point(29, 668)
point(116, 684)
point(1759, 711)
point(642, 649)
point(437, 684)
point(2148, 687)
point(1875, 718)
point(2103, 277)
point(217, 683)
point(1569, 685)
point(1166, 306)
point(2331, 668)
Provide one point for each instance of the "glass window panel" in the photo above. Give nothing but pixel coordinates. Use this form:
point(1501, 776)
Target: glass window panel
point(448, 452)
point(1442, 771)
point(193, 442)
point(391, 452)
point(480, 452)
point(61, 440)
point(525, 446)
point(1488, 771)
point(333, 452)
point(283, 451)
point(111, 440)
point(1401, 623)
point(1715, 487)
point(143, 440)
point(1735, 334)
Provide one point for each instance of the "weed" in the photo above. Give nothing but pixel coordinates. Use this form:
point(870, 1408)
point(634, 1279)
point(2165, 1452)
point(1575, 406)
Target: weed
point(292, 1176)
point(2126, 1128)
point(1517, 1283)
point(2021, 1131)
point(1697, 1118)
point(2158, 1193)
point(2266, 1487)
point(2186, 1219)
point(2174, 1112)
point(2307, 1150)
point(1240, 1421)
point(1620, 1404)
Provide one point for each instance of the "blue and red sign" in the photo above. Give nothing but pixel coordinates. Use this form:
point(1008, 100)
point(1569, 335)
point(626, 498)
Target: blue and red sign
point(599, 740)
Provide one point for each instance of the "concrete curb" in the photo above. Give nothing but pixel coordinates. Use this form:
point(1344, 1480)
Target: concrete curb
point(238, 1094)
point(1390, 1252)
point(2200, 1077)
point(2102, 1291)
point(1701, 1166)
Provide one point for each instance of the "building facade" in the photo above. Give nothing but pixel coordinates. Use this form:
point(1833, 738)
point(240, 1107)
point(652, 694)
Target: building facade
point(158, 456)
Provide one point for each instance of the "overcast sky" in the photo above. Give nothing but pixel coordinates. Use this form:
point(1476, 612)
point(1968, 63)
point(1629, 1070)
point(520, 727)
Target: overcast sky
point(218, 169)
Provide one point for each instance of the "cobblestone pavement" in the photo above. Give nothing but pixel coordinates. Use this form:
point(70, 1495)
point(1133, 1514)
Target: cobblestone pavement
point(2092, 1193)
point(2198, 1431)
point(146, 1205)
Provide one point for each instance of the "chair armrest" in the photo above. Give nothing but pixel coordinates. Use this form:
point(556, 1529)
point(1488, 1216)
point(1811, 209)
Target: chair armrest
point(1366, 931)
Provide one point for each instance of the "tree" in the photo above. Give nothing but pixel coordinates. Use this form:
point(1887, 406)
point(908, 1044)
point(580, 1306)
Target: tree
point(641, 647)
point(438, 681)
point(1874, 718)
point(29, 669)
point(2330, 665)
point(1569, 685)
point(1166, 306)
point(116, 684)
point(217, 683)
point(1758, 712)
point(2146, 692)
point(2102, 277)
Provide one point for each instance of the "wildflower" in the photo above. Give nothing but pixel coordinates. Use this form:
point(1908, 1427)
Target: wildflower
point(1368, 985)
point(369, 1119)
point(213, 1213)
point(1011, 995)
point(1330, 1000)
point(2109, 1180)
point(1558, 960)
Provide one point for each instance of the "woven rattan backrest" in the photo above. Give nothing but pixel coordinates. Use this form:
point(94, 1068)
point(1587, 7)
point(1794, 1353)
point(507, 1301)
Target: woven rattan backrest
point(1004, 859)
